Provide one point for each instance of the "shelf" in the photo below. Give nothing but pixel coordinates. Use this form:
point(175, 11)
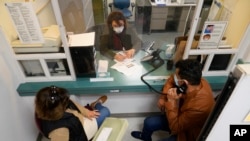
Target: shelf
point(38, 56)
point(212, 51)
point(173, 4)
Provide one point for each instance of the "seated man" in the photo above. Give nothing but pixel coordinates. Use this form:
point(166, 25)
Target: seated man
point(186, 104)
point(118, 36)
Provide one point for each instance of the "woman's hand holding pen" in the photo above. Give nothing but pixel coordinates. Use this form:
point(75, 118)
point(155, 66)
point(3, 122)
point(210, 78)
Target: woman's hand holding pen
point(120, 57)
point(130, 53)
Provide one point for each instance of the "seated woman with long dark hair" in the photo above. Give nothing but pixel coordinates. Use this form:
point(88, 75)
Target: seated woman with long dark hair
point(62, 119)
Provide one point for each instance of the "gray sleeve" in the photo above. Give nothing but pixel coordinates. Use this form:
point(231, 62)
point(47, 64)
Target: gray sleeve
point(136, 41)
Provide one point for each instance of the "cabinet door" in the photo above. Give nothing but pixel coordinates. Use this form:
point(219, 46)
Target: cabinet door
point(158, 18)
point(158, 24)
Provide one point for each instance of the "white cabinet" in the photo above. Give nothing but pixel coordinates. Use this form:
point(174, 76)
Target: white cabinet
point(171, 17)
point(158, 18)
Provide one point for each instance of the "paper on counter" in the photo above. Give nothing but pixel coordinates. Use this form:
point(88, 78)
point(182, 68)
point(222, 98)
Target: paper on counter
point(103, 65)
point(80, 40)
point(127, 67)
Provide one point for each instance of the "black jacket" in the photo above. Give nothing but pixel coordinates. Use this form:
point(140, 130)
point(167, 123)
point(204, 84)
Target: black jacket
point(76, 131)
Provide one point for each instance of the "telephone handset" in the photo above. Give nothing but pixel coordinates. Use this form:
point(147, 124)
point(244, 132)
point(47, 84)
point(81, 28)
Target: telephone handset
point(181, 89)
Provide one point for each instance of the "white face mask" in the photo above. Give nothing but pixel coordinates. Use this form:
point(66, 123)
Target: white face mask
point(176, 80)
point(118, 29)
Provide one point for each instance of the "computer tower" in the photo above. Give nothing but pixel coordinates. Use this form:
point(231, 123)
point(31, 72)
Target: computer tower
point(143, 11)
point(83, 59)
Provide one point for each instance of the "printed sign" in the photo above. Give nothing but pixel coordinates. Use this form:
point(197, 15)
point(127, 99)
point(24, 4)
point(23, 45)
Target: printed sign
point(212, 34)
point(25, 22)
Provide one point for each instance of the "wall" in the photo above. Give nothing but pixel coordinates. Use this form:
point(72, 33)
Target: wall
point(124, 103)
point(16, 118)
point(239, 21)
point(235, 110)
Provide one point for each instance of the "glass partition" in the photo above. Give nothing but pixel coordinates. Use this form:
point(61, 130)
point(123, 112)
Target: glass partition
point(57, 67)
point(32, 68)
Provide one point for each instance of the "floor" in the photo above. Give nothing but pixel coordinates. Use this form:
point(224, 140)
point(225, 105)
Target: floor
point(135, 124)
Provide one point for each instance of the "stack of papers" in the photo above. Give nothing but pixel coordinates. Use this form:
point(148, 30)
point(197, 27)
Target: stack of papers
point(127, 67)
point(80, 40)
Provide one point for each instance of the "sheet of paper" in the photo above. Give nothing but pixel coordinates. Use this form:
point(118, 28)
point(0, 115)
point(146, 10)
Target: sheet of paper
point(84, 39)
point(103, 136)
point(103, 65)
point(127, 67)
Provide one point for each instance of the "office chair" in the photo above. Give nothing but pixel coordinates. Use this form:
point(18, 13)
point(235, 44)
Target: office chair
point(38, 125)
point(123, 6)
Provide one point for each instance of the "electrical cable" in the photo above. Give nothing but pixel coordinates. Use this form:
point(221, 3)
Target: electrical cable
point(149, 86)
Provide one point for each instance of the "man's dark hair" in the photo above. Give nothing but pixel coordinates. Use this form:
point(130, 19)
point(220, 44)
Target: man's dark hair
point(190, 70)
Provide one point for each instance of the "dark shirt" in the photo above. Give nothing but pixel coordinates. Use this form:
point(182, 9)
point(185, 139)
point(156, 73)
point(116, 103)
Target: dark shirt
point(76, 131)
point(117, 42)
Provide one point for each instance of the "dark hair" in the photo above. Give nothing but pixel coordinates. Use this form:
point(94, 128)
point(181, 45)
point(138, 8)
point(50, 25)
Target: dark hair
point(116, 16)
point(51, 103)
point(210, 25)
point(190, 70)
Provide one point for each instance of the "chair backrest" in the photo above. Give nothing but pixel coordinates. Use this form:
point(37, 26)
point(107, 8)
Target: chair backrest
point(121, 4)
point(38, 125)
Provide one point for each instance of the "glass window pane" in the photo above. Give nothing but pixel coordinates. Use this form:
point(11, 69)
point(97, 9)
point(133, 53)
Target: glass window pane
point(58, 67)
point(31, 68)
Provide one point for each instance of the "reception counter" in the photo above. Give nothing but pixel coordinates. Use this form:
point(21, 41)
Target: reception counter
point(120, 84)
